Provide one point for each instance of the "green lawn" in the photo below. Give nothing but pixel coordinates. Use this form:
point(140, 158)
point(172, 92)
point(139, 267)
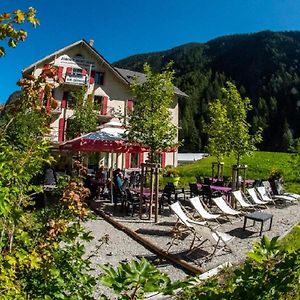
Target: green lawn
point(259, 165)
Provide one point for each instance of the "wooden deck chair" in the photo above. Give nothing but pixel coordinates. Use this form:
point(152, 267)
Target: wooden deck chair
point(254, 198)
point(184, 224)
point(219, 240)
point(241, 199)
point(266, 196)
point(280, 191)
point(225, 208)
point(202, 211)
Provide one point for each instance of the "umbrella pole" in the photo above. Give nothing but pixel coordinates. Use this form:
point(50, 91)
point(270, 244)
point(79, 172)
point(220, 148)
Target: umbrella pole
point(111, 176)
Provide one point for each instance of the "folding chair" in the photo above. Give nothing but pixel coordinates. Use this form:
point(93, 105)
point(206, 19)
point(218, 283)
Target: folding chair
point(202, 210)
point(265, 196)
point(254, 198)
point(185, 222)
point(216, 238)
point(279, 189)
point(225, 208)
point(241, 199)
point(202, 233)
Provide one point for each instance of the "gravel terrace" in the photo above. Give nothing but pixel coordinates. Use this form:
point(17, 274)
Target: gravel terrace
point(121, 247)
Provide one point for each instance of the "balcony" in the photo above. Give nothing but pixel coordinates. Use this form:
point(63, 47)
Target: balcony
point(76, 79)
point(111, 112)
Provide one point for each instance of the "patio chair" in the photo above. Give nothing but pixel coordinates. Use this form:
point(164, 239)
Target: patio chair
point(202, 232)
point(184, 224)
point(225, 208)
point(216, 238)
point(241, 199)
point(254, 198)
point(132, 201)
point(266, 196)
point(194, 191)
point(278, 190)
point(202, 211)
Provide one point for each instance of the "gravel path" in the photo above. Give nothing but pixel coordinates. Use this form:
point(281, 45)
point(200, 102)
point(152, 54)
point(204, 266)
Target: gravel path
point(123, 248)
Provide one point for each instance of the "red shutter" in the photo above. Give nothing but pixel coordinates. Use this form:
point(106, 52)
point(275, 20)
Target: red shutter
point(60, 72)
point(69, 70)
point(64, 100)
point(92, 78)
point(61, 129)
point(163, 159)
point(141, 158)
point(129, 105)
point(83, 72)
point(48, 106)
point(127, 160)
point(104, 105)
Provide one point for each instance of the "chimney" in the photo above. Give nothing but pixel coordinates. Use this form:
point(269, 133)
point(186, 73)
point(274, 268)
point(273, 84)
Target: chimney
point(91, 42)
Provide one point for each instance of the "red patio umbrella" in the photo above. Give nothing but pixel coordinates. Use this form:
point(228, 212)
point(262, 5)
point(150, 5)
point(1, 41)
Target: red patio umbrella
point(107, 139)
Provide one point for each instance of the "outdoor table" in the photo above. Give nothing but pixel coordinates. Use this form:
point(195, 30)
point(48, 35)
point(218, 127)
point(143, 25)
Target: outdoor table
point(260, 217)
point(223, 189)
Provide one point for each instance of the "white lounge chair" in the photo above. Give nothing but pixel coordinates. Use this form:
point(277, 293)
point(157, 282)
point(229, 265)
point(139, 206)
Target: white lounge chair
point(255, 199)
point(225, 208)
point(281, 192)
point(200, 209)
point(202, 233)
point(241, 199)
point(216, 238)
point(184, 224)
point(279, 195)
point(266, 196)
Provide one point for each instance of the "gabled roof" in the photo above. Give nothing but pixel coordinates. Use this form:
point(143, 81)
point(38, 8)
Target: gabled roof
point(62, 50)
point(126, 76)
point(141, 77)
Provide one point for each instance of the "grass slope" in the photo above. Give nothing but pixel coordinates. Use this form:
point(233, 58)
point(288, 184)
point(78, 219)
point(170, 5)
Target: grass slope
point(260, 165)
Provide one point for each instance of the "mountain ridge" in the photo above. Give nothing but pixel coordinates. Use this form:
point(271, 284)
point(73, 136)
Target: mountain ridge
point(264, 65)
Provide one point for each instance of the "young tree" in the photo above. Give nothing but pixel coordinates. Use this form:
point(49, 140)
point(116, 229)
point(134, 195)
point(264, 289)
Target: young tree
point(219, 143)
point(85, 117)
point(241, 141)
point(150, 122)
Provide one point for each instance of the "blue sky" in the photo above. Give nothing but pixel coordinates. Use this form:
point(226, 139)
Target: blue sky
point(122, 28)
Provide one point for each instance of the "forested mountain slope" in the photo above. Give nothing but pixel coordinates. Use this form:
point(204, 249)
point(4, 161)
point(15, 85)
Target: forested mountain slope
point(265, 66)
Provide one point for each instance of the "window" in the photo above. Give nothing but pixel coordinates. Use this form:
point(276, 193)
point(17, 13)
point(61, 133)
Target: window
point(71, 100)
point(98, 101)
point(99, 78)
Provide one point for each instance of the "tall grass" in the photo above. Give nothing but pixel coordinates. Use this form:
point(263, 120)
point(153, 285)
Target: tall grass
point(260, 165)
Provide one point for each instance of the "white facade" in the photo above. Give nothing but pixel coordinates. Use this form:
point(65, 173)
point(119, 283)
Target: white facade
point(80, 65)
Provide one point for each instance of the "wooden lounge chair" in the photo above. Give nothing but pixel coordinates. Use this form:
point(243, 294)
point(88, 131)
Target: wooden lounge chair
point(278, 190)
point(225, 208)
point(241, 199)
point(254, 198)
point(265, 195)
point(202, 210)
point(203, 233)
point(184, 224)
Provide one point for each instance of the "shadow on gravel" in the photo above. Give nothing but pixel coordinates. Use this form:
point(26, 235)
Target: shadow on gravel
point(240, 233)
point(153, 232)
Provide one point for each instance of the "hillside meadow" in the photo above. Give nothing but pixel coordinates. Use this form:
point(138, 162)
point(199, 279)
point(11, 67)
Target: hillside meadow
point(260, 165)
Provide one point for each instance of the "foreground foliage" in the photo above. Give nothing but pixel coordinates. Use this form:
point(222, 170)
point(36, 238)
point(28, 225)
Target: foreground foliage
point(41, 250)
point(271, 272)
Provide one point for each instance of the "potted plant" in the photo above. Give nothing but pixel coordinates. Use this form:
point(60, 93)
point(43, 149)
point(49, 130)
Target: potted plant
point(170, 174)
